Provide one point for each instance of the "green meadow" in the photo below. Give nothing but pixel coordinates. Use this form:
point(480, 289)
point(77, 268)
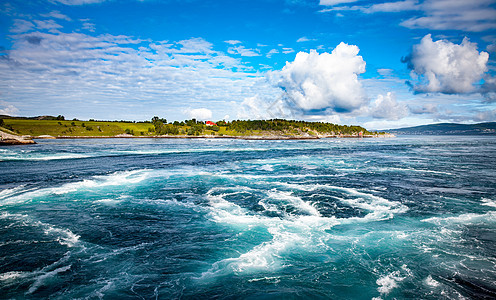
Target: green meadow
point(160, 127)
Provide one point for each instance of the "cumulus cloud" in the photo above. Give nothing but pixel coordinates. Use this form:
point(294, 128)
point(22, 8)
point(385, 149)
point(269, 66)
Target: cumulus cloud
point(8, 109)
point(327, 81)
point(445, 67)
point(200, 114)
point(386, 107)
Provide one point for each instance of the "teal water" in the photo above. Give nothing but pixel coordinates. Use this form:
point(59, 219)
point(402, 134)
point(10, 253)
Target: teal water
point(407, 217)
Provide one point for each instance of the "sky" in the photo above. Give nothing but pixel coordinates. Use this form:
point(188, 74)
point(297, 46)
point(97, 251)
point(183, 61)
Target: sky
point(378, 64)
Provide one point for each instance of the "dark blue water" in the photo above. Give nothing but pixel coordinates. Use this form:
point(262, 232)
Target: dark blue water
point(217, 218)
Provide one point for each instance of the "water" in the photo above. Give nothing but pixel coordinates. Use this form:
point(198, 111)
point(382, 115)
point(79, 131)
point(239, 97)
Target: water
point(216, 218)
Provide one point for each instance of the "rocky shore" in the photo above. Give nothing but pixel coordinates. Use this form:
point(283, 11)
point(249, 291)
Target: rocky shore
point(12, 139)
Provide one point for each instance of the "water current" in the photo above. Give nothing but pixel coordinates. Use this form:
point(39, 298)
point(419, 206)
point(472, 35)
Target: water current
point(405, 217)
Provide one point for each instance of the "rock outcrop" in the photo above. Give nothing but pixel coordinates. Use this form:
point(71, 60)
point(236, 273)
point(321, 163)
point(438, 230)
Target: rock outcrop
point(12, 139)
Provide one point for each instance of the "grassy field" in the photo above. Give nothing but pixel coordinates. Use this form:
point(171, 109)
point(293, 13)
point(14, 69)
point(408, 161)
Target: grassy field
point(94, 128)
point(75, 128)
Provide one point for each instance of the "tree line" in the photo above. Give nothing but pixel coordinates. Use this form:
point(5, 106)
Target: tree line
point(195, 127)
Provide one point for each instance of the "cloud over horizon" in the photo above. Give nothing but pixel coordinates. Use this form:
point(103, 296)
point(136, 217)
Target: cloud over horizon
point(119, 73)
point(202, 114)
point(445, 67)
point(327, 81)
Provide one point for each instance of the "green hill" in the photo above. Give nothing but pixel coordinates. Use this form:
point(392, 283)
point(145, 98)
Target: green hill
point(488, 128)
point(277, 128)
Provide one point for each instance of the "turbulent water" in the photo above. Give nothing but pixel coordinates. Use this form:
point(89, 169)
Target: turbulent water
point(219, 218)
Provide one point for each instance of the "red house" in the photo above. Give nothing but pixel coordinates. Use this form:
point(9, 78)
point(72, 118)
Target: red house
point(210, 123)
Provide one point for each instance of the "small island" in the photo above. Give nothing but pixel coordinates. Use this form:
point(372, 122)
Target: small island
point(57, 127)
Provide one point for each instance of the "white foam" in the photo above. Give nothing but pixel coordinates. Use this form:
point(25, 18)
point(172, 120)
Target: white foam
point(379, 208)
point(431, 282)
point(298, 231)
point(488, 202)
point(64, 236)
point(9, 192)
point(43, 157)
point(12, 275)
point(114, 179)
point(110, 202)
point(307, 230)
point(40, 280)
point(469, 218)
point(411, 170)
point(293, 200)
point(268, 168)
point(388, 282)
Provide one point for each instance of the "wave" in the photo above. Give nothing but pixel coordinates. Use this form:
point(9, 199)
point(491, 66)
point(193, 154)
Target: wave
point(488, 202)
point(62, 236)
point(18, 195)
point(38, 156)
point(43, 157)
point(465, 219)
point(299, 225)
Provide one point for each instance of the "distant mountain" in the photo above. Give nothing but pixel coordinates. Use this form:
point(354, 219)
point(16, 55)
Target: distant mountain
point(488, 128)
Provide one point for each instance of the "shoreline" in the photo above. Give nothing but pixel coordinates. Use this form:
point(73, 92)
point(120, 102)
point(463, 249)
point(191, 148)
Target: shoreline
point(250, 137)
point(10, 139)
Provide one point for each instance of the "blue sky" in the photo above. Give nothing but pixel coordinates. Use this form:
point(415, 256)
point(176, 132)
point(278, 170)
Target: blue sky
point(380, 64)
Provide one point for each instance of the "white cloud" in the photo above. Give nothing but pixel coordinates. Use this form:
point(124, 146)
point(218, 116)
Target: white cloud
point(232, 42)
point(241, 50)
point(385, 72)
point(488, 89)
point(406, 5)
point(386, 107)
point(259, 108)
point(8, 109)
point(446, 67)
point(393, 6)
point(463, 15)
point(329, 81)
point(455, 15)
point(108, 76)
point(272, 52)
point(21, 26)
point(486, 116)
point(77, 2)
point(89, 26)
point(287, 50)
point(200, 114)
point(428, 108)
point(304, 39)
point(57, 15)
point(335, 2)
point(47, 24)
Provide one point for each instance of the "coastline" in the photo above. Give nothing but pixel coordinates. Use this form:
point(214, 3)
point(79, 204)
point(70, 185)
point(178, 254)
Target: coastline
point(7, 139)
point(11, 139)
point(248, 137)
